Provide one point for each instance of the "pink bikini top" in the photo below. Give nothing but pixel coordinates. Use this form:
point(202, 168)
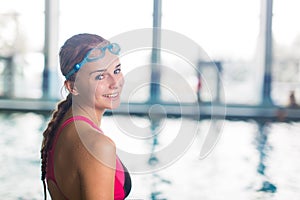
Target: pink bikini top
point(122, 177)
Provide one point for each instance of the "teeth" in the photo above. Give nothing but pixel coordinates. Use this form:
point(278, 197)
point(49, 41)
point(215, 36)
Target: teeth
point(111, 95)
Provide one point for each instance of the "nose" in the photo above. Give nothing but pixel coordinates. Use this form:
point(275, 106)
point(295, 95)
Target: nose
point(113, 82)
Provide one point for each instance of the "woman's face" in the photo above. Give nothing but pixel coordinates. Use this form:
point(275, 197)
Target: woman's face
point(100, 83)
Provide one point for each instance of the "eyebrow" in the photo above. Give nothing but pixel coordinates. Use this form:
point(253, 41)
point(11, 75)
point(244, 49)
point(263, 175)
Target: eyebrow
point(103, 70)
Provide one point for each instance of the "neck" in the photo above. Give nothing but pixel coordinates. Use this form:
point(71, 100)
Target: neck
point(93, 114)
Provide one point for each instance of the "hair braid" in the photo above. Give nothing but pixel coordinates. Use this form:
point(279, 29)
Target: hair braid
point(50, 132)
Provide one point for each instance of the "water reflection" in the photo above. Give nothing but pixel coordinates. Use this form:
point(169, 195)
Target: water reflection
point(264, 149)
point(155, 124)
point(157, 180)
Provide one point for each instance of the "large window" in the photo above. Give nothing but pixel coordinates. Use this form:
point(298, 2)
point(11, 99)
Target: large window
point(286, 60)
point(106, 18)
point(21, 48)
point(228, 32)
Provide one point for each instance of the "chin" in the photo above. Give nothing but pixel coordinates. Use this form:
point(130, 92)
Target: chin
point(113, 105)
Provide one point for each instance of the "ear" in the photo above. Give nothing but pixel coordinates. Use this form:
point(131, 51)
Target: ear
point(71, 87)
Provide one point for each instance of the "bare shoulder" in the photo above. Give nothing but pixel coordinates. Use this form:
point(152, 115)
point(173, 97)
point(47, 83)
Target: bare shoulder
point(95, 146)
point(96, 162)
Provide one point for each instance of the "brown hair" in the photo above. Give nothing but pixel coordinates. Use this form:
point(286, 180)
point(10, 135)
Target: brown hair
point(71, 53)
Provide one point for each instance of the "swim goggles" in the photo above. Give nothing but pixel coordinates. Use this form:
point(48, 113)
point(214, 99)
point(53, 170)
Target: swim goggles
point(94, 55)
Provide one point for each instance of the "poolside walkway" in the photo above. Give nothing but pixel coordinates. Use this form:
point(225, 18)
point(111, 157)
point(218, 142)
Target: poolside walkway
point(192, 110)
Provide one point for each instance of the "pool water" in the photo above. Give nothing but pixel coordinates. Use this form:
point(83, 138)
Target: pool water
point(251, 160)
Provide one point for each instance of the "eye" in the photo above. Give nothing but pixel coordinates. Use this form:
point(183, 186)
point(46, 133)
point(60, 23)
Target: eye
point(99, 77)
point(117, 71)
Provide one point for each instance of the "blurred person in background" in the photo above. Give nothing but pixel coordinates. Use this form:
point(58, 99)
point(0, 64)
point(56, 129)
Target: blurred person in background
point(292, 100)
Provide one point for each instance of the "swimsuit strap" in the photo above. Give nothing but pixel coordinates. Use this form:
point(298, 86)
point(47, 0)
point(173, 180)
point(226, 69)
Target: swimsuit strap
point(78, 117)
point(72, 119)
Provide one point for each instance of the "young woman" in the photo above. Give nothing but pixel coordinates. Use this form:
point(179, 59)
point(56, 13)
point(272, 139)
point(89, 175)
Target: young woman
point(78, 160)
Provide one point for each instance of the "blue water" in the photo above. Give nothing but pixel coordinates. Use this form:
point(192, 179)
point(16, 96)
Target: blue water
point(251, 160)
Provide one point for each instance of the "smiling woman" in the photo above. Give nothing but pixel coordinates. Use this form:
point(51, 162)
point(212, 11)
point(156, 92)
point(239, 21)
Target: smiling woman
point(93, 75)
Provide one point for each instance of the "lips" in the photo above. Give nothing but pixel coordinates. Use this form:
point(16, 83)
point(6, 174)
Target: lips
point(112, 95)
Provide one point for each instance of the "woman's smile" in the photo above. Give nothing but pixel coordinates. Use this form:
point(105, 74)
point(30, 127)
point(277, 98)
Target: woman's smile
point(112, 96)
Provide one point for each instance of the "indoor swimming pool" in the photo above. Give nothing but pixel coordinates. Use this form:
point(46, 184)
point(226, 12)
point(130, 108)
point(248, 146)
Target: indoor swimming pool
point(251, 160)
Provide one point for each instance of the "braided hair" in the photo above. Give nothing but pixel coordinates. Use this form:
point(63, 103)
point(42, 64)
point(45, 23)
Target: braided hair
point(71, 53)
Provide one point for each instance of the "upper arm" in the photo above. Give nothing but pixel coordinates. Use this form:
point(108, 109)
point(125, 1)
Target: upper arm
point(97, 167)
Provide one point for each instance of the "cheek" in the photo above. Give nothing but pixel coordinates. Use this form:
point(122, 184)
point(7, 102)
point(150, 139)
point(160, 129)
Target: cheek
point(121, 81)
point(100, 88)
point(82, 87)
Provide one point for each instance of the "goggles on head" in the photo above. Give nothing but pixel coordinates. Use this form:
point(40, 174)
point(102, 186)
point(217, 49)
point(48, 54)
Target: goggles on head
point(94, 55)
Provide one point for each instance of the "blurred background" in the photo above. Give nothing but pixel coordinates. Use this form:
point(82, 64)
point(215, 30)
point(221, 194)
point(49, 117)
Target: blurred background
point(254, 48)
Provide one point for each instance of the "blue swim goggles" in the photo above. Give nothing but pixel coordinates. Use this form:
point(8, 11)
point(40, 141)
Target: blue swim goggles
point(94, 55)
